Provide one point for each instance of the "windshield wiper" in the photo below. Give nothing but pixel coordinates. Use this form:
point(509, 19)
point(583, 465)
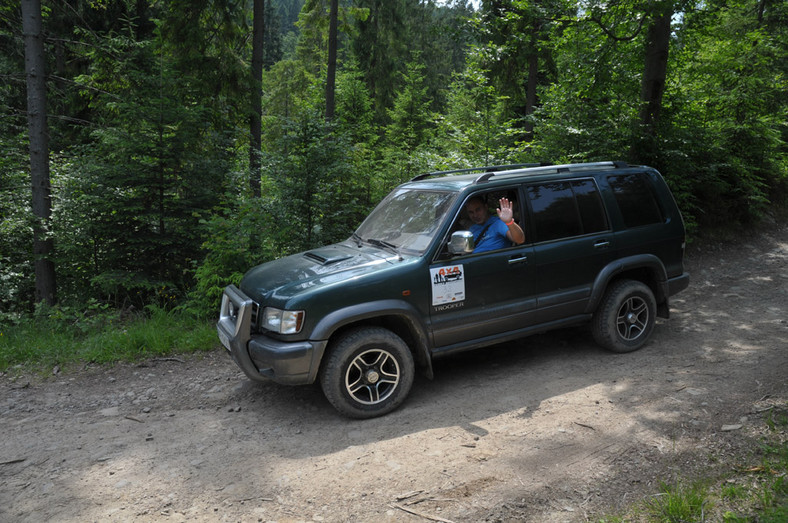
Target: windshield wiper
point(359, 240)
point(385, 245)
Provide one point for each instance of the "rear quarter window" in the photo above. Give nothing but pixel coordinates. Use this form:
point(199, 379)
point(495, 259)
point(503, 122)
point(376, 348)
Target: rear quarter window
point(565, 209)
point(636, 200)
point(589, 203)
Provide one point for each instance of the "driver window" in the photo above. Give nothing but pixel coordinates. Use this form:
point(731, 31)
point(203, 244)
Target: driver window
point(478, 215)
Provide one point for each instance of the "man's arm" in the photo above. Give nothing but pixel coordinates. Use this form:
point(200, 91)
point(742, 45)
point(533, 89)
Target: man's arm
point(506, 214)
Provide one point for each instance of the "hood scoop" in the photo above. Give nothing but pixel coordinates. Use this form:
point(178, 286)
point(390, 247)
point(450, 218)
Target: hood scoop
point(325, 257)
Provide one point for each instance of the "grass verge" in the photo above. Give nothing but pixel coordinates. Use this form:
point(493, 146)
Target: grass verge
point(753, 493)
point(64, 337)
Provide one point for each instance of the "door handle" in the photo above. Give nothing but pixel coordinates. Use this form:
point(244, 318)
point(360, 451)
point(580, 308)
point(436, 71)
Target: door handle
point(518, 259)
point(602, 244)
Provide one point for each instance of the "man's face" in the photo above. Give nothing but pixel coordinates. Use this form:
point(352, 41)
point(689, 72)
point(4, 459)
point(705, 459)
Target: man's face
point(477, 211)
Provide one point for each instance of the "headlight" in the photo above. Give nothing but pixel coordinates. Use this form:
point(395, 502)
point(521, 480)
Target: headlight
point(283, 322)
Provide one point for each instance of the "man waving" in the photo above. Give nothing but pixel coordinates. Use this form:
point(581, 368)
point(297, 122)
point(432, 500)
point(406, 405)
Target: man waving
point(493, 232)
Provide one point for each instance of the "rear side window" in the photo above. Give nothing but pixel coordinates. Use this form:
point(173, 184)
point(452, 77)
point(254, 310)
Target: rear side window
point(635, 199)
point(589, 203)
point(565, 209)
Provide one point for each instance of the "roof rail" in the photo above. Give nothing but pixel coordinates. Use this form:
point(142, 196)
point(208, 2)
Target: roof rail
point(490, 169)
point(565, 168)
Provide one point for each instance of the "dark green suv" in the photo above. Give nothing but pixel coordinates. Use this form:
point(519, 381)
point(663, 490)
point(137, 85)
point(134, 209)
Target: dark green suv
point(604, 243)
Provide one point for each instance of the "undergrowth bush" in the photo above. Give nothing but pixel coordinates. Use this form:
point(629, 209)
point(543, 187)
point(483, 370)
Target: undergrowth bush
point(236, 242)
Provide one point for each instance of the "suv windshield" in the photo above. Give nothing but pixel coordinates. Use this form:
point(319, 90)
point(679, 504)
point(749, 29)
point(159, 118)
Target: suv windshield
point(406, 220)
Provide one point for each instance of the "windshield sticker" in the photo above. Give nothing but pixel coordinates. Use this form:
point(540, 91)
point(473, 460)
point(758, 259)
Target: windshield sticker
point(448, 284)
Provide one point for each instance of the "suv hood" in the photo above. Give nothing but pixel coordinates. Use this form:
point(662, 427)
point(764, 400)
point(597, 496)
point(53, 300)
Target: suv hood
point(286, 277)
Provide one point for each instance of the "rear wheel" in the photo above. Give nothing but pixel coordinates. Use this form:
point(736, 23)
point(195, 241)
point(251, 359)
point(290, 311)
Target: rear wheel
point(368, 373)
point(625, 318)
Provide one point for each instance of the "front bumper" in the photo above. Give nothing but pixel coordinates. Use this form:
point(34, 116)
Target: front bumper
point(261, 357)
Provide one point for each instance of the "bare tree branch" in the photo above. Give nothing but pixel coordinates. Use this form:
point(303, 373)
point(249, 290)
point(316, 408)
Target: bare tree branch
point(598, 21)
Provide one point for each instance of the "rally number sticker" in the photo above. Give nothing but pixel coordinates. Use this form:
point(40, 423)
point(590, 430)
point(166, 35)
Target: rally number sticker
point(448, 284)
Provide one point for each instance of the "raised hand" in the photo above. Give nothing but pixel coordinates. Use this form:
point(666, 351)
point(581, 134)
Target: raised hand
point(504, 210)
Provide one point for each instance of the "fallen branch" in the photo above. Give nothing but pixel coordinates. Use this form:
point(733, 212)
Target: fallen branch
point(409, 494)
point(420, 514)
point(584, 425)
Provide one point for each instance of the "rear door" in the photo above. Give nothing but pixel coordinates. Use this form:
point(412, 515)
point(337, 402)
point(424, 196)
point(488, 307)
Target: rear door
point(573, 242)
point(642, 215)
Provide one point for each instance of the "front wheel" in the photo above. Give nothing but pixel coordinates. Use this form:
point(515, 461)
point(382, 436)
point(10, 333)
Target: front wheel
point(625, 318)
point(368, 373)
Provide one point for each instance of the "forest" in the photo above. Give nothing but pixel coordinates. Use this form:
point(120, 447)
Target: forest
point(151, 151)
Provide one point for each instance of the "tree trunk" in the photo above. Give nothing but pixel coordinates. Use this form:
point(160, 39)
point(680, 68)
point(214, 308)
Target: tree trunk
point(332, 60)
point(655, 71)
point(761, 10)
point(35, 72)
point(530, 91)
point(255, 120)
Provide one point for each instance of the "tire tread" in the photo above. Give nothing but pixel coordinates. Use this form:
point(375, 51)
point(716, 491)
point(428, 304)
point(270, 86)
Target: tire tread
point(331, 375)
point(603, 329)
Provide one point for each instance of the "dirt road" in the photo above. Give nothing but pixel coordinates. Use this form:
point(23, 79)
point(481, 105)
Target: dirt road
point(551, 428)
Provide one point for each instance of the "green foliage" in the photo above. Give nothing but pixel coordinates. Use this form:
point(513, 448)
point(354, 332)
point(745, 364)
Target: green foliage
point(410, 129)
point(733, 492)
point(476, 124)
point(130, 201)
point(440, 35)
point(720, 141)
point(514, 32)
point(313, 44)
point(728, 105)
point(16, 231)
point(354, 107)
point(776, 420)
point(289, 89)
point(380, 44)
point(16, 218)
point(354, 120)
point(590, 111)
point(321, 194)
point(409, 115)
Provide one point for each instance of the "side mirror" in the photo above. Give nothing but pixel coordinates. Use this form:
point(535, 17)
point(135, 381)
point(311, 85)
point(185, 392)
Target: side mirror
point(461, 242)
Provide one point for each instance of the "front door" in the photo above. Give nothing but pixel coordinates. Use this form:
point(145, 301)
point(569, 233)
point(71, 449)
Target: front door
point(479, 296)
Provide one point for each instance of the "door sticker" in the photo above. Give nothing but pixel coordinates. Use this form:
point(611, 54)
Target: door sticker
point(448, 284)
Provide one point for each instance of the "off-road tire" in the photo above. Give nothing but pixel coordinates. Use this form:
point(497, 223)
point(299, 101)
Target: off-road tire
point(368, 372)
point(625, 318)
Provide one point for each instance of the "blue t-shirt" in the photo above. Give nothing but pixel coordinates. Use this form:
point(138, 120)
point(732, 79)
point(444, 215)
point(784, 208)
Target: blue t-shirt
point(494, 237)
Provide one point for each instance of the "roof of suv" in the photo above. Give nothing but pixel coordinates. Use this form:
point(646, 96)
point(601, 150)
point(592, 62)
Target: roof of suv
point(458, 179)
